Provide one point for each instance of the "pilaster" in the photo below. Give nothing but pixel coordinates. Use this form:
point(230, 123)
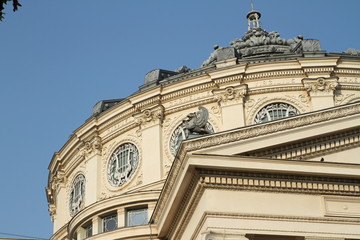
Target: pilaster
point(231, 100)
point(150, 122)
point(321, 91)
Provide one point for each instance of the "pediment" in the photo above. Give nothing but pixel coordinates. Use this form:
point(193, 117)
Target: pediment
point(333, 132)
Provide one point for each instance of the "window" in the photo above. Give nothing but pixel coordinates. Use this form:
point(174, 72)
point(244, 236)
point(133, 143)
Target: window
point(110, 223)
point(275, 111)
point(88, 230)
point(136, 217)
point(122, 164)
point(77, 194)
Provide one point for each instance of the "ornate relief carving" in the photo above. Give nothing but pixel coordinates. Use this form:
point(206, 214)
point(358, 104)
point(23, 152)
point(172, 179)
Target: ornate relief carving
point(52, 211)
point(230, 94)
point(320, 86)
point(108, 150)
point(58, 180)
point(150, 116)
point(90, 147)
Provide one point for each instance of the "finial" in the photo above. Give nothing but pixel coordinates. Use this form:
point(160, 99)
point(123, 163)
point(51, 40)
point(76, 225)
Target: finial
point(253, 17)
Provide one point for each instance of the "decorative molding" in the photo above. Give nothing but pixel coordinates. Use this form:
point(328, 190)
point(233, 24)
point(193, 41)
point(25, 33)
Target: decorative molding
point(249, 181)
point(58, 180)
point(322, 70)
point(230, 94)
point(230, 79)
point(270, 127)
point(311, 148)
point(249, 132)
point(52, 211)
point(344, 71)
point(149, 117)
point(90, 147)
point(148, 102)
point(320, 86)
point(188, 91)
point(273, 74)
point(190, 105)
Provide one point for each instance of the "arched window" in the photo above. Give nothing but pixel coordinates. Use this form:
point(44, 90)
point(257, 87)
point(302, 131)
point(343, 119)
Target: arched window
point(77, 194)
point(275, 111)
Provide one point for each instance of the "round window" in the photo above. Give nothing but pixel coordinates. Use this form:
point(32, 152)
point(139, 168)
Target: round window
point(122, 164)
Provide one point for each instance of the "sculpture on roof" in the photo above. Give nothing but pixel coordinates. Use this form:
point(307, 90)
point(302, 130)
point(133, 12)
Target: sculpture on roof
point(352, 51)
point(258, 43)
point(213, 57)
point(196, 122)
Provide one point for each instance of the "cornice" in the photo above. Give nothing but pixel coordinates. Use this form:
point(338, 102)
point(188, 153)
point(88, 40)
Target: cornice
point(283, 218)
point(259, 182)
point(270, 127)
point(310, 148)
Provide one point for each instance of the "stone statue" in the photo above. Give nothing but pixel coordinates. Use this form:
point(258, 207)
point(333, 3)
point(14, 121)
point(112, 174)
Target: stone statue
point(213, 57)
point(195, 122)
point(353, 51)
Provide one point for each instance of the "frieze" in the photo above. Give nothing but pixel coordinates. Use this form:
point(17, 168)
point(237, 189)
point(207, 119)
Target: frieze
point(351, 80)
point(111, 124)
point(319, 70)
point(189, 98)
point(353, 72)
point(274, 82)
point(320, 86)
point(225, 80)
point(190, 105)
point(267, 75)
point(152, 101)
point(188, 91)
point(121, 124)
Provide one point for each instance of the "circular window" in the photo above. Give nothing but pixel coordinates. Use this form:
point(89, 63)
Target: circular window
point(180, 134)
point(77, 194)
point(275, 111)
point(122, 164)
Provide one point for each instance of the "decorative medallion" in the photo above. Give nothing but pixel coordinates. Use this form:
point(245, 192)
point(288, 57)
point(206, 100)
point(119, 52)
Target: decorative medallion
point(275, 111)
point(77, 195)
point(122, 164)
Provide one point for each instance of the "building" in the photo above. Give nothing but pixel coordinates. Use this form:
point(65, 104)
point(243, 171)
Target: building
point(261, 142)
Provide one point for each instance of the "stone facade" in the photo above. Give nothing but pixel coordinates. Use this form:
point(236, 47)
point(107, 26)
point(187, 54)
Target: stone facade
point(280, 162)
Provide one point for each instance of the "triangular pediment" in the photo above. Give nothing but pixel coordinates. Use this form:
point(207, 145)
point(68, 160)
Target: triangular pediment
point(333, 132)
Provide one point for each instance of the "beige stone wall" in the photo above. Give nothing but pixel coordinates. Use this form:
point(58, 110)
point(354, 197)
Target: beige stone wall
point(233, 95)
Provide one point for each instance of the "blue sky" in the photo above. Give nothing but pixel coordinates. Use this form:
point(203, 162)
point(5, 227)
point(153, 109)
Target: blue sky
point(58, 58)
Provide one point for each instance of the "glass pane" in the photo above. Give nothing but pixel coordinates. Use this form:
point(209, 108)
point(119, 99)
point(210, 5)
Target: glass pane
point(137, 217)
point(110, 223)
